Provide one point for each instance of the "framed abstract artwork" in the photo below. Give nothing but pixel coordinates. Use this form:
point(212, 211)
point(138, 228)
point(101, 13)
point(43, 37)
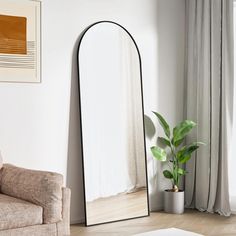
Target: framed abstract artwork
point(20, 53)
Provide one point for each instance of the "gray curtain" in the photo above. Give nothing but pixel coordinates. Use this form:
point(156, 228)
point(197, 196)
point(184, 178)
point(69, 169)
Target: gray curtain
point(209, 101)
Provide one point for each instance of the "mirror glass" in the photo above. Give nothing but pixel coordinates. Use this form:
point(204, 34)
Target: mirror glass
point(114, 157)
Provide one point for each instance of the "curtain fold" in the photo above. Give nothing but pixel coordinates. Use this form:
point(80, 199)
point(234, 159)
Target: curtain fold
point(209, 101)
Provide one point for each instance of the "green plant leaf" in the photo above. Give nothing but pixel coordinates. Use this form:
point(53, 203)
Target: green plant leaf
point(181, 130)
point(182, 171)
point(184, 154)
point(159, 153)
point(176, 144)
point(163, 123)
point(164, 141)
point(181, 151)
point(167, 174)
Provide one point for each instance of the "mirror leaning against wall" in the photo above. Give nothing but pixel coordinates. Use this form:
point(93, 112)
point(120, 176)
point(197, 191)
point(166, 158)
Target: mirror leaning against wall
point(112, 125)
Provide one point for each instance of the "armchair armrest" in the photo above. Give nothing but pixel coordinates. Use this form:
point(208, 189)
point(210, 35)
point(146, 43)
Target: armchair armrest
point(64, 225)
point(39, 187)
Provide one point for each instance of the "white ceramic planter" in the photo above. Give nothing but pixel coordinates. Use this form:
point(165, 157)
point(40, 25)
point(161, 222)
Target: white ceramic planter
point(174, 202)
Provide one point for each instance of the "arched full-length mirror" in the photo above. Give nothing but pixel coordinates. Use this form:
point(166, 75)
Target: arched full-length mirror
point(114, 158)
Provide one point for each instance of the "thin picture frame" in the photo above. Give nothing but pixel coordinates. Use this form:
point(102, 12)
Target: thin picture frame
point(20, 47)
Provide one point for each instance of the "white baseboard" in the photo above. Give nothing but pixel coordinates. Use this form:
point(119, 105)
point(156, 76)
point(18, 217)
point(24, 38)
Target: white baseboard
point(77, 221)
point(157, 208)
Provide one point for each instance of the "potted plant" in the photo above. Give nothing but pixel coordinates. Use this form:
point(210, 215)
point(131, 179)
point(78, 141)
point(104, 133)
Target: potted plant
point(179, 154)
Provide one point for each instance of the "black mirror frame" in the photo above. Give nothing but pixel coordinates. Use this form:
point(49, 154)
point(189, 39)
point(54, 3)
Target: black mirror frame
point(80, 111)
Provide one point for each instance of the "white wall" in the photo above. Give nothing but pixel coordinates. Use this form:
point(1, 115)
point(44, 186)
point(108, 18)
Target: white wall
point(168, 88)
point(35, 117)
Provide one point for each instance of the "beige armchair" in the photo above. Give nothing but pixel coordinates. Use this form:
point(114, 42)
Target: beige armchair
point(33, 203)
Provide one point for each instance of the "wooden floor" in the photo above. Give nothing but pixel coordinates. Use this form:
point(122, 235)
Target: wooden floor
point(202, 223)
point(117, 207)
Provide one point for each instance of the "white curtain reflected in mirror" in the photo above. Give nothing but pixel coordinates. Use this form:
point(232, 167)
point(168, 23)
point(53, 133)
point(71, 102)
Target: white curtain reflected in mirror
point(112, 125)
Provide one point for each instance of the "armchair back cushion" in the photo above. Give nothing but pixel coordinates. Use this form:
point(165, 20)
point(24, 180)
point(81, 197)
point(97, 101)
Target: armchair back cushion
point(39, 187)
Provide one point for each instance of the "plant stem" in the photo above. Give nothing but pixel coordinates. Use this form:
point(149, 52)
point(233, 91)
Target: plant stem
point(172, 172)
point(175, 165)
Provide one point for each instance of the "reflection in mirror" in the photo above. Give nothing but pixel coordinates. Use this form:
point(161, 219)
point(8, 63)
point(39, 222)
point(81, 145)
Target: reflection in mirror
point(114, 156)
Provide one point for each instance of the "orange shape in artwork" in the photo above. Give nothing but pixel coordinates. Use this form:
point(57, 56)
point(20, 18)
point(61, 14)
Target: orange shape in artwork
point(13, 35)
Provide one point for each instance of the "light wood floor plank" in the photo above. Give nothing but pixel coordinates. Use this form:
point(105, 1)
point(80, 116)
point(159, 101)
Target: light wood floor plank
point(198, 222)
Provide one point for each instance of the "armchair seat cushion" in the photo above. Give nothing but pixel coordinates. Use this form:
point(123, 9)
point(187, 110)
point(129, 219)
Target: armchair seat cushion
point(16, 213)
